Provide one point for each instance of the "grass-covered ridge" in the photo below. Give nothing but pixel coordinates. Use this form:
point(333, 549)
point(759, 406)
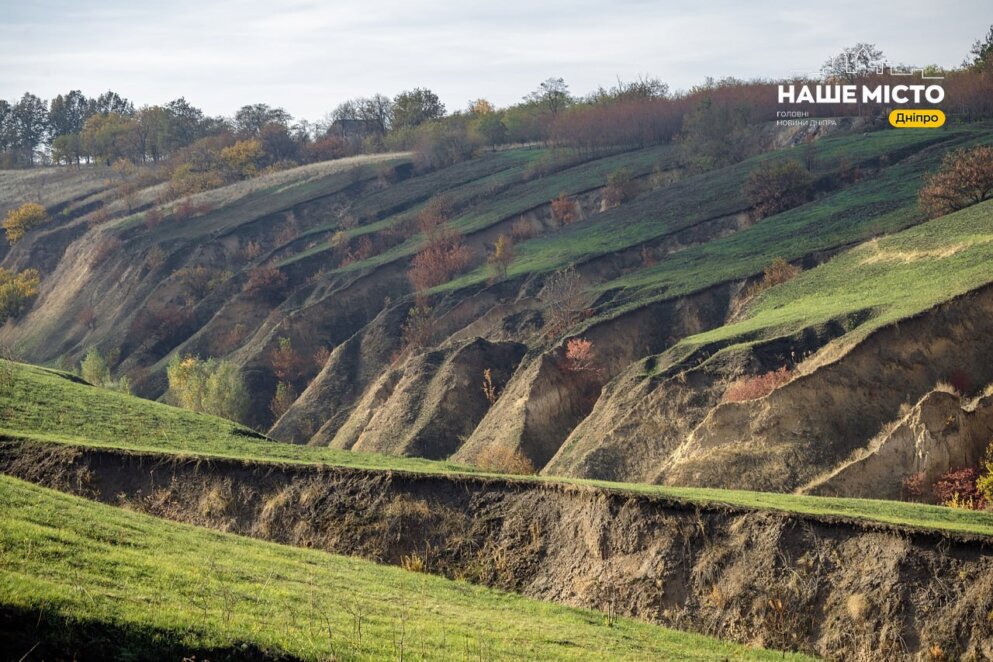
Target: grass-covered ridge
point(46, 406)
point(67, 561)
point(50, 405)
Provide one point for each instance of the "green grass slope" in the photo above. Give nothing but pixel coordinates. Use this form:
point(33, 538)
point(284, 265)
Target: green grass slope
point(880, 281)
point(51, 405)
point(882, 202)
point(155, 588)
point(47, 406)
point(505, 194)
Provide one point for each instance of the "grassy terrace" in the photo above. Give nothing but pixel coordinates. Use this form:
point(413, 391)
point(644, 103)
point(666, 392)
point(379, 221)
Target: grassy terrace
point(245, 202)
point(524, 194)
point(46, 406)
point(464, 182)
point(881, 203)
point(888, 279)
point(156, 589)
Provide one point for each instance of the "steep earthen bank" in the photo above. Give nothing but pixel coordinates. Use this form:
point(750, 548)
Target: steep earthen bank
point(842, 589)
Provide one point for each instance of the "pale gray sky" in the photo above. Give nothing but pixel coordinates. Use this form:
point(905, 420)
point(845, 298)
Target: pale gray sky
point(308, 56)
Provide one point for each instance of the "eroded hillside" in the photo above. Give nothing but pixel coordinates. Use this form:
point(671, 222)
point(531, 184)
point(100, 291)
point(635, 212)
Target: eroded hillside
point(652, 287)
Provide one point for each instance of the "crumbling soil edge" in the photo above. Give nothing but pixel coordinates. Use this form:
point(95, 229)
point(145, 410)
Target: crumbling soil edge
point(712, 568)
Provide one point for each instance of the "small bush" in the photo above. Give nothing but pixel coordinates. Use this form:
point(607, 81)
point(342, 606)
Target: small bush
point(958, 489)
point(94, 368)
point(758, 386)
point(282, 400)
point(364, 249)
point(965, 178)
point(775, 187)
point(266, 284)
point(436, 212)
point(501, 459)
point(418, 328)
point(619, 188)
point(501, 257)
point(18, 221)
point(251, 251)
point(210, 387)
point(441, 144)
point(564, 209)
point(17, 289)
point(779, 271)
point(521, 230)
point(984, 484)
point(287, 364)
point(226, 394)
point(580, 355)
point(413, 562)
point(561, 297)
point(443, 257)
point(490, 390)
point(913, 486)
point(243, 159)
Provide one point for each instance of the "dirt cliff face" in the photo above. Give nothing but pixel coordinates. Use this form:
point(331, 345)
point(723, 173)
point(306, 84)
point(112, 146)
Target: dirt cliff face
point(939, 434)
point(428, 406)
point(816, 421)
point(836, 588)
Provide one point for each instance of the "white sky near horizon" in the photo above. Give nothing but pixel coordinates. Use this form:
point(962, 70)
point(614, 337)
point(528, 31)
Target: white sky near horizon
point(309, 56)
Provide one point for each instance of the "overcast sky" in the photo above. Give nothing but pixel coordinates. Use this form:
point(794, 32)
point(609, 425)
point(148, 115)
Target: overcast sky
point(308, 56)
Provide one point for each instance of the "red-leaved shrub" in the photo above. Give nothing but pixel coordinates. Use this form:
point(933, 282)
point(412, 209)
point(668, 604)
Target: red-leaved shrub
point(564, 209)
point(757, 386)
point(957, 488)
point(580, 355)
point(444, 256)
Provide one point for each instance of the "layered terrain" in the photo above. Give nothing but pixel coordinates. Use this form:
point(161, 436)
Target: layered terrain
point(838, 578)
point(888, 307)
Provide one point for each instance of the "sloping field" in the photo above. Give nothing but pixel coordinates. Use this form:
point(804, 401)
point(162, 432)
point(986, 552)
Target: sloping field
point(82, 578)
point(660, 280)
point(880, 282)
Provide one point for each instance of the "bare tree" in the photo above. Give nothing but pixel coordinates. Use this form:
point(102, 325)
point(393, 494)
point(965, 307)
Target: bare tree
point(553, 94)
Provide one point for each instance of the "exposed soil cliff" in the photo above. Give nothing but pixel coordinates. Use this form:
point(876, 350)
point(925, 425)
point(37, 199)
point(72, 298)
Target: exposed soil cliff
point(842, 589)
point(939, 434)
point(816, 421)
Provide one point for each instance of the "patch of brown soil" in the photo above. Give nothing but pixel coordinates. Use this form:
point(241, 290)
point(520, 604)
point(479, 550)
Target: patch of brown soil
point(937, 435)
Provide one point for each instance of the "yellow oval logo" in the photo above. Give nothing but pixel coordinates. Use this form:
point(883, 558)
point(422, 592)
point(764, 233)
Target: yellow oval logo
point(917, 119)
